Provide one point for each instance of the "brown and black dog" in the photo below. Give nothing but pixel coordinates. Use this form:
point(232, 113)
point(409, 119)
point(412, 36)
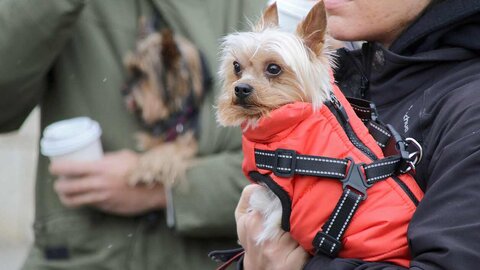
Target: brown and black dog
point(167, 81)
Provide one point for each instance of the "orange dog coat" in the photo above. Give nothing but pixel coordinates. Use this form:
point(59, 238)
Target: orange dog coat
point(378, 229)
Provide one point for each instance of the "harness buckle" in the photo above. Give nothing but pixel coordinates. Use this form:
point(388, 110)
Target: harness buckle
point(413, 158)
point(398, 146)
point(355, 179)
point(327, 244)
point(285, 162)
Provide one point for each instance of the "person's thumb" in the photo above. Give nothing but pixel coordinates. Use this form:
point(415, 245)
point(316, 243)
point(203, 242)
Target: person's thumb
point(244, 202)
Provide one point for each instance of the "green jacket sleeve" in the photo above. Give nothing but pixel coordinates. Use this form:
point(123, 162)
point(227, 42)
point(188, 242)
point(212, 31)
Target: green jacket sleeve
point(205, 205)
point(32, 35)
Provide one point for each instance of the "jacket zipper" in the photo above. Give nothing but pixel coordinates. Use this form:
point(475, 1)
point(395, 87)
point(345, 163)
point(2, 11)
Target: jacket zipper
point(342, 116)
point(337, 109)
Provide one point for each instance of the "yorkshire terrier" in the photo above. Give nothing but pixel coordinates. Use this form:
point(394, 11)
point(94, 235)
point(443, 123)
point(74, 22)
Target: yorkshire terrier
point(167, 81)
point(266, 69)
point(276, 86)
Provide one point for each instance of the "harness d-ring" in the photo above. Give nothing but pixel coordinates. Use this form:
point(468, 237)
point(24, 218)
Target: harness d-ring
point(417, 155)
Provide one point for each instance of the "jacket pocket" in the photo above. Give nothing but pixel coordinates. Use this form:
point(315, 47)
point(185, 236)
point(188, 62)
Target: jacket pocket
point(60, 237)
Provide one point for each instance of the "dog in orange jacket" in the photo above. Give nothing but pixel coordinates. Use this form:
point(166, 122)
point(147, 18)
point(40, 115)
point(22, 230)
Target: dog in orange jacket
point(304, 143)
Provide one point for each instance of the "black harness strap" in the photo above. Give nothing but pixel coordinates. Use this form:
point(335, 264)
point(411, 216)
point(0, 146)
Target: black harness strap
point(367, 112)
point(389, 140)
point(356, 179)
point(286, 163)
point(379, 133)
point(381, 169)
point(328, 240)
point(282, 195)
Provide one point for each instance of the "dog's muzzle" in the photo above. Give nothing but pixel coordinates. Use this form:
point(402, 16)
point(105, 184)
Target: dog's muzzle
point(242, 92)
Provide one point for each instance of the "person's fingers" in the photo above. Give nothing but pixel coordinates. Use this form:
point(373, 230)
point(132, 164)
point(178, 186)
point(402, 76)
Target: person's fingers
point(244, 202)
point(285, 239)
point(297, 257)
point(72, 186)
point(249, 228)
point(243, 217)
point(83, 199)
point(73, 168)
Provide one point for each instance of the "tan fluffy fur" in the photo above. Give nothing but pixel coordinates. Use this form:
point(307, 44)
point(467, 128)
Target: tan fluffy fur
point(163, 62)
point(305, 69)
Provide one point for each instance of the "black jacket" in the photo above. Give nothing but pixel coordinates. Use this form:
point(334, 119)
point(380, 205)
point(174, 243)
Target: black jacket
point(427, 85)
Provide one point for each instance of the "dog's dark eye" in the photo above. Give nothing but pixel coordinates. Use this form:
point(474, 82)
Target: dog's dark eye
point(236, 67)
point(273, 69)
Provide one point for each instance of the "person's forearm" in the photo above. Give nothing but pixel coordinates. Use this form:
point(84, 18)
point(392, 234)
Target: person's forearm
point(32, 35)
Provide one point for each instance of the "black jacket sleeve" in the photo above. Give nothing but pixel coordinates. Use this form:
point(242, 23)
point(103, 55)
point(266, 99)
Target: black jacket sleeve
point(444, 231)
point(323, 262)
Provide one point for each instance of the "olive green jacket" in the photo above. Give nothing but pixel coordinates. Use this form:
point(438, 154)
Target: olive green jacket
point(66, 56)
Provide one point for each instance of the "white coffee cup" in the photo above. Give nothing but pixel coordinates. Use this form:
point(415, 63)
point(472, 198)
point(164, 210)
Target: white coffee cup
point(72, 139)
point(292, 12)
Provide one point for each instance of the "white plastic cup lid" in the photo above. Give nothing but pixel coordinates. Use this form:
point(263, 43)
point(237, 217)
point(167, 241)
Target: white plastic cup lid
point(69, 135)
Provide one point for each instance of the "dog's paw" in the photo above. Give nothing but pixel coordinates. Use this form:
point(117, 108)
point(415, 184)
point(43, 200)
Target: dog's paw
point(144, 174)
point(164, 164)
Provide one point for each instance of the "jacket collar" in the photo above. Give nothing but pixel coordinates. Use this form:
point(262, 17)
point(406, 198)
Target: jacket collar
point(424, 51)
point(279, 123)
point(451, 23)
point(393, 76)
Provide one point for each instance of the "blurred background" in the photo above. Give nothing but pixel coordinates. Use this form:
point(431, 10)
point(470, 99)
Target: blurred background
point(18, 156)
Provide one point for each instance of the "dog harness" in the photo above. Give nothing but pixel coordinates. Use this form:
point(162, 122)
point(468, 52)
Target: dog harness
point(340, 194)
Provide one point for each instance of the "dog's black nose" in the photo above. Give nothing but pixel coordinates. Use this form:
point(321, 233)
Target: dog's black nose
point(243, 90)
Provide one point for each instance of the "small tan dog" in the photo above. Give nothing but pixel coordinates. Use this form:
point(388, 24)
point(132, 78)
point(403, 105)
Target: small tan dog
point(265, 69)
point(167, 80)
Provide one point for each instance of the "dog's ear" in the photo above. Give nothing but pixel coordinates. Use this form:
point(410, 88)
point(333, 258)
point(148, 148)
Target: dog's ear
point(312, 29)
point(145, 28)
point(269, 18)
point(169, 51)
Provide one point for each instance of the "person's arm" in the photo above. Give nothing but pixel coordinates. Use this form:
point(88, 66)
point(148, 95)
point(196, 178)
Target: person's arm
point(32, 35)
point(205, 204)
point(443, 233)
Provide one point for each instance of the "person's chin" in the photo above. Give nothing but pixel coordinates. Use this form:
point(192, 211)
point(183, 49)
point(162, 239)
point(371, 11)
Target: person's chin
point(332, 5)
point(339, 29)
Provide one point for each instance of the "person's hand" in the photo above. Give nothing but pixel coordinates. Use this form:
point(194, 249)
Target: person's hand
point(280, 253)
point(103, 184)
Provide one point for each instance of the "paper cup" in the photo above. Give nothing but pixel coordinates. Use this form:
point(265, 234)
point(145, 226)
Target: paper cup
point(72, 139)
point(292, 12)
